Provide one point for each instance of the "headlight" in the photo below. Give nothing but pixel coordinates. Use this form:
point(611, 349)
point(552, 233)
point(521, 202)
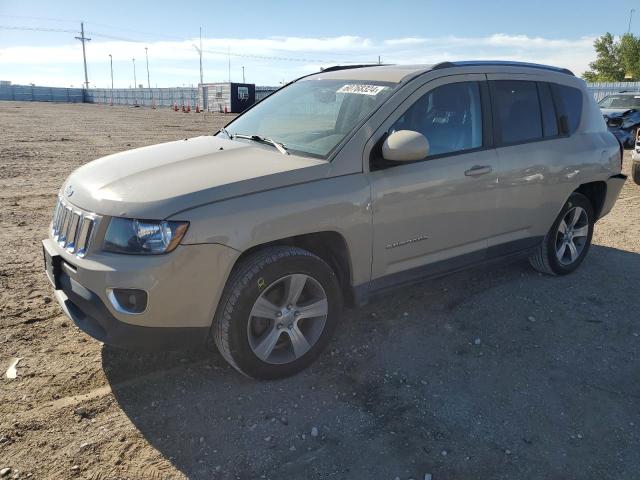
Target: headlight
point(126, 235)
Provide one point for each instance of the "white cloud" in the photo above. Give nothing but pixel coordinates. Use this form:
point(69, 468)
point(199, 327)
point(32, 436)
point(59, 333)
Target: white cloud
point(273, 59)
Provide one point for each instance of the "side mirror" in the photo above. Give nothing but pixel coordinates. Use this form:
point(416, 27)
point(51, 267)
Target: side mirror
point(405, 146)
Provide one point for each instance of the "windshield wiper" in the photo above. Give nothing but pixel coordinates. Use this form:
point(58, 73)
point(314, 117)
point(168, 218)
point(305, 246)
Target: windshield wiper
point(257, 138)
point(224, 130)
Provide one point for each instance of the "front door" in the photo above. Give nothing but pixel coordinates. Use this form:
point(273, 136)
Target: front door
point(436, 212)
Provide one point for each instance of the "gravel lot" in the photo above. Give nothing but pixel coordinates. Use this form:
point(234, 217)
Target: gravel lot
point(493, 373)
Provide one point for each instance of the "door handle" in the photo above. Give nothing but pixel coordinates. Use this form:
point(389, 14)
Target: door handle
point(478, 170)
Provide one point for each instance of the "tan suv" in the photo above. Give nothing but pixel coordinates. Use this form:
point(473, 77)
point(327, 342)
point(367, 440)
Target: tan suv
point(336, 188)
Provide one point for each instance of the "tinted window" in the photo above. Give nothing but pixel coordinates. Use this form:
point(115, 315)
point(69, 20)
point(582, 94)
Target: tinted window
point(450, 117)
point(516, 110)
point(569, 103)
point(549, 118)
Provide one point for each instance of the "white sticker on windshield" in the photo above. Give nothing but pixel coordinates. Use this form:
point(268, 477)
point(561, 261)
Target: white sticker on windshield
point(362, 89)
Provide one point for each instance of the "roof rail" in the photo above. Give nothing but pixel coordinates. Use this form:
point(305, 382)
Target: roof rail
point(347, 67)
point(499, 63)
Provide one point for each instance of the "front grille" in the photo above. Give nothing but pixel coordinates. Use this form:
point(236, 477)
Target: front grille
point(72, 228)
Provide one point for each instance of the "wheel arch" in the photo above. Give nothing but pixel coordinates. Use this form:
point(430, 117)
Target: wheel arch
point(596, 192)
point(330, 246)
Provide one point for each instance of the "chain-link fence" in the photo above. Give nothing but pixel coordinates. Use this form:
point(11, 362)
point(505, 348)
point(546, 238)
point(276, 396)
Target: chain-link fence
point(187, 96)
point(601, 90)
point(148, 97)
point(32, 93)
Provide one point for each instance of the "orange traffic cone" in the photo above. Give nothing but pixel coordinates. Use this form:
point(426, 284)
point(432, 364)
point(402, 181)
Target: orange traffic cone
point(175, 106)
point(183, 109)
point(197, 108)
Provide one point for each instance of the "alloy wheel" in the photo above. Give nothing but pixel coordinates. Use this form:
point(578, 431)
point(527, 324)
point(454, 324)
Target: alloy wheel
point(287, 319)
point(571, 236)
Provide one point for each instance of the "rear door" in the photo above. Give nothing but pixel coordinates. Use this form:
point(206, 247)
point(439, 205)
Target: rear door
point(526, 135)
point(440, 208)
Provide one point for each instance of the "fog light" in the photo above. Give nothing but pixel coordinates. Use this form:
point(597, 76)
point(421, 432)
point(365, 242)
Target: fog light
point(128, 300)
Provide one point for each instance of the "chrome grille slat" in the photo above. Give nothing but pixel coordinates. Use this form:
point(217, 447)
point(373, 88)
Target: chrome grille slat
point(72, 228)
point(67, 225)
point(64, 223)
point(72, 231)
point(56, 218)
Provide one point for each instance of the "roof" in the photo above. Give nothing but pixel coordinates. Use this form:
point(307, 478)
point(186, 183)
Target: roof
point(399, 73)
point(376, 73)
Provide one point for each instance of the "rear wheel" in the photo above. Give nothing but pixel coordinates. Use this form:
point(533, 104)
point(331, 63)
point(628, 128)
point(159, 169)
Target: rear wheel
point(278, 312)
point(634, 135)
point(635, 172)
point(566, 244)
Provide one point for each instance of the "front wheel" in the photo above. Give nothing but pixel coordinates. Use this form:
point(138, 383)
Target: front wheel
point(635, 172)
point(278, 312)
point(566, 244)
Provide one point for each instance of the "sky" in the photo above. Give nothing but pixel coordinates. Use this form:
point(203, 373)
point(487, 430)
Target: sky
point(277, 41)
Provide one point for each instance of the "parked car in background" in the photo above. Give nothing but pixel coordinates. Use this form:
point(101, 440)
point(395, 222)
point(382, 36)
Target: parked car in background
point(334, 189)
point(622, 114)
point(635, 160)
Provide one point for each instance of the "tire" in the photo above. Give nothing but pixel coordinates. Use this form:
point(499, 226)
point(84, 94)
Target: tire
point(264, 280)
point(632, 141)
point(635, 172)
point(546, 258)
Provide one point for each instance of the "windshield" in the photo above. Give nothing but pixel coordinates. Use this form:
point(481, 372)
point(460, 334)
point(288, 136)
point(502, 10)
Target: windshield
point(312, 116)
point(620, 101)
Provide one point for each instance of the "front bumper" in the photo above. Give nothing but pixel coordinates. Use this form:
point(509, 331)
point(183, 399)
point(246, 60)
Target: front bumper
point(183, 290)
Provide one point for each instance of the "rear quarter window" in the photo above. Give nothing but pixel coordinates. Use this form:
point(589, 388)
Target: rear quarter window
point(568, 102)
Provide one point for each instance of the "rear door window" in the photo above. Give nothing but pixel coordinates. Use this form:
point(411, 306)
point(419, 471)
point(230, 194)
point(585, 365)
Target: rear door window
point(549, 117)
point(516, 110)
point(569, 104)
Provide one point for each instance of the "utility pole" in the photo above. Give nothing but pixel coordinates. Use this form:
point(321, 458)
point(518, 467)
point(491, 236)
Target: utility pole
point(379, 60)
point(243, 74)
point(630, 17)
point(200, 52)
point(135, 85)
point(111, 67)
point(146, 54)
point(84, 39)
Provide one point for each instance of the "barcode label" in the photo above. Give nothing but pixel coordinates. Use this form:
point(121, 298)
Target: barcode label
point(362, 89)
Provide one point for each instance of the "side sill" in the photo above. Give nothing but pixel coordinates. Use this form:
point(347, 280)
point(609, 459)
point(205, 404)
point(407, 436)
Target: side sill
point(366, 292)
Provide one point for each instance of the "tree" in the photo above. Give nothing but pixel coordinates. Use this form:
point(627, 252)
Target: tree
point(607, 67)
point(630, 55)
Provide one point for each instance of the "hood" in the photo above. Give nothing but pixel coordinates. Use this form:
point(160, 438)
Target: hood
point(615, 112)
point(157, 181)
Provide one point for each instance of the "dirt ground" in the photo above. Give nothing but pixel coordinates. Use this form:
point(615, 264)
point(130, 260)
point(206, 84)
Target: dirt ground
point(494, 373)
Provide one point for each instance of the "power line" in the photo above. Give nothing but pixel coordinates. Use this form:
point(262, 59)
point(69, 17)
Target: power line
point(37, 29)
point(213, 52)
point(40, 18)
